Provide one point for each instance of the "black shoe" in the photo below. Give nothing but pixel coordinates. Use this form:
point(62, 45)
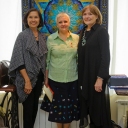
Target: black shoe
point(83, 123)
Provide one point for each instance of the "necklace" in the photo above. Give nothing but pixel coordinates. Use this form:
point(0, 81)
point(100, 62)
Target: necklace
point(84, 38)
point(35, 34)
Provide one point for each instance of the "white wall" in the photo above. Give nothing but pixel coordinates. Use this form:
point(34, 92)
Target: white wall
point(10, 26)
point(118, 26)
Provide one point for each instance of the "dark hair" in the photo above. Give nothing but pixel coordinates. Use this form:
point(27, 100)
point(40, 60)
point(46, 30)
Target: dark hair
point(94, 10)
point(26, 16)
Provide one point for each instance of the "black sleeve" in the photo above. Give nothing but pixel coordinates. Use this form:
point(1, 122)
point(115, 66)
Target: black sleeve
point(105, 53)
point(21, 67)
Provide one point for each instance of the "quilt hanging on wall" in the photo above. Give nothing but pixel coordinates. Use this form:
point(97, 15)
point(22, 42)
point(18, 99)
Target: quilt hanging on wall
point(50, 8)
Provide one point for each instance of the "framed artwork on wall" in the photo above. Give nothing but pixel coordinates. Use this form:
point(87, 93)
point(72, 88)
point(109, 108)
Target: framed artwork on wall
point(50, 8)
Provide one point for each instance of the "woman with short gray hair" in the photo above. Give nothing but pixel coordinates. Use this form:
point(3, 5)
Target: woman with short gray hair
point(61, 74)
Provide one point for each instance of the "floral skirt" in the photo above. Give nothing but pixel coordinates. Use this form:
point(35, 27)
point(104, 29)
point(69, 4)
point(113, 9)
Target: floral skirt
point(65, 106)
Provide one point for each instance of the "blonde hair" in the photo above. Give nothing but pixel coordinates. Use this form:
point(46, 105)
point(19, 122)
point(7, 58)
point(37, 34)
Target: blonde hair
point(94, 10)
point(61, 15)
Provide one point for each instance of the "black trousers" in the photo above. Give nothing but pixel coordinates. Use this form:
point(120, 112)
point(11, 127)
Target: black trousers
point(30, 105)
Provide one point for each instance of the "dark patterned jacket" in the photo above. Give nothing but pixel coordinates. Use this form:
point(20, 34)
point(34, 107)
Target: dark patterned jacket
point(32, 55)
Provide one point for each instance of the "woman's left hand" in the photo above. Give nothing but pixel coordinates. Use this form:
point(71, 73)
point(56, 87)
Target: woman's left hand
point(28, 87)
point(98, 84)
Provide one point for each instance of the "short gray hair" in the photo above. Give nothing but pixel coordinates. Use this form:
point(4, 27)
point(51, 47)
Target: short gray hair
point(62, 14)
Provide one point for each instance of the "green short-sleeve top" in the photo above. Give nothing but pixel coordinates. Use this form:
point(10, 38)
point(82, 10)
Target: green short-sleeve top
point(62, 58)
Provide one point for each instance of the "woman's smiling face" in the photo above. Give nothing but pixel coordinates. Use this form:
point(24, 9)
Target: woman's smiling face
point(63, 23)
point(89, 18)
point(33, 19)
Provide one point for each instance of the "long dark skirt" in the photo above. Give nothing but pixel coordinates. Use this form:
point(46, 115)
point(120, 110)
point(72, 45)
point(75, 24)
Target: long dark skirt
point(64, 107)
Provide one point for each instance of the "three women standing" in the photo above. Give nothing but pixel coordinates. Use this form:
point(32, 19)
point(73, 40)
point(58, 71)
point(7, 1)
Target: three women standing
point(28, 67)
